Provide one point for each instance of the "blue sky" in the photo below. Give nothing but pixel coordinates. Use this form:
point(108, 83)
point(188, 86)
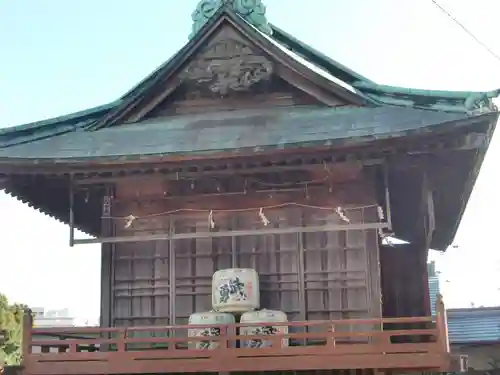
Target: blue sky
point(63, 56)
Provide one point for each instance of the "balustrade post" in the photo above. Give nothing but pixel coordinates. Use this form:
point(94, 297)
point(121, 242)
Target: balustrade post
point(123, 334)
point(331, 339)
point(27, 335)
point(223, 344)
point(442, 325)
point(221, 352)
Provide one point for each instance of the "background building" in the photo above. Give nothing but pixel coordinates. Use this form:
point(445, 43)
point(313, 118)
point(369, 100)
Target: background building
point(473, 331)
point(434, 289)
point(52, 318)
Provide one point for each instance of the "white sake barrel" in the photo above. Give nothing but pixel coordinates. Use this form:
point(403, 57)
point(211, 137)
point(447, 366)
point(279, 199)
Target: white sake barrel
point(209, 317)
point(235, 290)
point(263, 316)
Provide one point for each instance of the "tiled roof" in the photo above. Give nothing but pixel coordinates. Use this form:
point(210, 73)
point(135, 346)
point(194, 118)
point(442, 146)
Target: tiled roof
point(473, 325)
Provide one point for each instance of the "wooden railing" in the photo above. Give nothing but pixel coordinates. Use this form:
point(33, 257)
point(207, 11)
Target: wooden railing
point(335, 344)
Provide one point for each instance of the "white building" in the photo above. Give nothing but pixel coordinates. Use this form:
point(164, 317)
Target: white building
point(52, 318)
point(434, 288)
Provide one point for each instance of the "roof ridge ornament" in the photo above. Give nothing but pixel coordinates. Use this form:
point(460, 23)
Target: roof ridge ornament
point(252, 11)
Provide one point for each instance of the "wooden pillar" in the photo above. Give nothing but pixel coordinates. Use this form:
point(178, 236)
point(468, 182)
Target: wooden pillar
point(172, 281)
point(107, 274)
point(106, 262)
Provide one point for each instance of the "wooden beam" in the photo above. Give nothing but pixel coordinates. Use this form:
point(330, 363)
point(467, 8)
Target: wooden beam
point(71, 212)
point(387, 194)
point(3, 182)
point(114, 363)
point(231, 233)
point(172, 85)
point(172, 176)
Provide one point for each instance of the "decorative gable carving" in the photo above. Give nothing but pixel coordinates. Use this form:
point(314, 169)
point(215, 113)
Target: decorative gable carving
point(225, 66)
point(226, 70)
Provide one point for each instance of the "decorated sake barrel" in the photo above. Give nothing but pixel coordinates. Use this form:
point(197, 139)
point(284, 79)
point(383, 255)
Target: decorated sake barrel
point(209, 317)
point(235, 290)
point(263, 316)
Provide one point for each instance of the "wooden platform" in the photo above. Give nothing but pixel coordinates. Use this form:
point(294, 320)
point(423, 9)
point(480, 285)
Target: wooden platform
point(312, 345)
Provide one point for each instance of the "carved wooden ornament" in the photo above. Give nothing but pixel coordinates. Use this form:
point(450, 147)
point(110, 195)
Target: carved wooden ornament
point(228, 65)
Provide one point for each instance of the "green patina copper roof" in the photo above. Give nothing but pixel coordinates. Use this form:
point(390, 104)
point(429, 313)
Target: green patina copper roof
point(378, 95)
point(53, 127)
point(252, 11)
point(253, 131)
point(317, 57)
point(446, 101)
point(469, 100)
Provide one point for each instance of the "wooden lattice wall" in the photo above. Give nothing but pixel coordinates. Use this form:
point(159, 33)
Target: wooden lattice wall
point(318, 275)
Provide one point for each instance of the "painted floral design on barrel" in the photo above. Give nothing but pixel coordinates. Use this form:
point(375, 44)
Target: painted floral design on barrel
point(232, 288)
point(262, 331)
point(207, 344)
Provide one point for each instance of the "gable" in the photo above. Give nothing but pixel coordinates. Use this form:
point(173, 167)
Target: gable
point(232, 73)
point(274, 93)
point(227, 69)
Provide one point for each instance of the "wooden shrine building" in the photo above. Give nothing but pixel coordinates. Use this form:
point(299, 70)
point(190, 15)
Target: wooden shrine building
point(248, 149)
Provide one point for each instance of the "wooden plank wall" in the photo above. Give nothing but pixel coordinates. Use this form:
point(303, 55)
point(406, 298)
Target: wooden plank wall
point(406, 263)
point(310, 276)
